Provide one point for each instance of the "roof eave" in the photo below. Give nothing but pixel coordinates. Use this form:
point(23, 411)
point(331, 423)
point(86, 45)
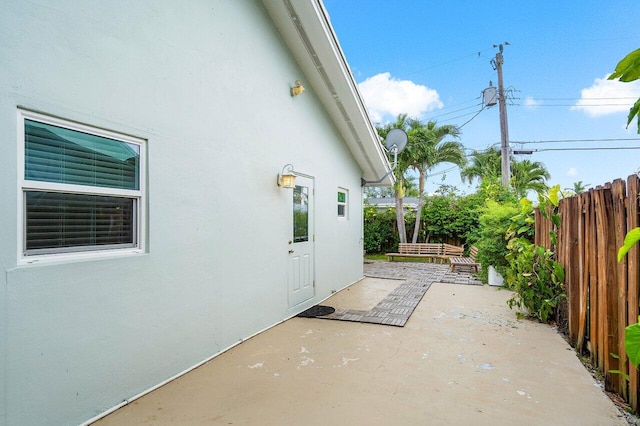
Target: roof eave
point(307, 30)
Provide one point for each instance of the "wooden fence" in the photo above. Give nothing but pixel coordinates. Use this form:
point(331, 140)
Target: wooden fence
point(602, 293)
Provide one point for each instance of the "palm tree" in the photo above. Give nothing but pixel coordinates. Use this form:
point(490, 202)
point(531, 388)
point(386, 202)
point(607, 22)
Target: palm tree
point(528, 175)
point(484, 164)
point(427, 149)
point(402, 122)
point(580, 187)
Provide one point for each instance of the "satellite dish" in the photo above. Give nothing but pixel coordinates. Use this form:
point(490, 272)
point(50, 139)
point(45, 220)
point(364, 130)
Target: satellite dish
point(396, 139)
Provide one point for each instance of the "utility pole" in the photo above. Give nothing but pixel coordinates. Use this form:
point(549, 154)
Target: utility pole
point(504, 128)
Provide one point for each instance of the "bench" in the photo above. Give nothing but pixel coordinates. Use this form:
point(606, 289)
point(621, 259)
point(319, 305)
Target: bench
point(434, 252)
point(449, 250)
point(469, 262)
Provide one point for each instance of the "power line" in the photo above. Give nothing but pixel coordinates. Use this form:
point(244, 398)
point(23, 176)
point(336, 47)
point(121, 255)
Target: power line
point(572, 105)
point(583, 149)
point(477, 53)
point(458, 110)
point(464, 115)
point(586, 99)
point(469, 120)
point(577, 140)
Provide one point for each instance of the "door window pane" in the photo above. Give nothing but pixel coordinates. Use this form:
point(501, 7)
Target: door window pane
point(300, 214)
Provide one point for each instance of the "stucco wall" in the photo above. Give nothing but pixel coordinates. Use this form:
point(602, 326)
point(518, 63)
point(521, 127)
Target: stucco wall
point(207, 84)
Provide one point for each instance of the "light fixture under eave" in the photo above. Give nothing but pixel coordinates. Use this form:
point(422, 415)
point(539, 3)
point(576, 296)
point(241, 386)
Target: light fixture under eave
point(287, 179)
point(297, 89)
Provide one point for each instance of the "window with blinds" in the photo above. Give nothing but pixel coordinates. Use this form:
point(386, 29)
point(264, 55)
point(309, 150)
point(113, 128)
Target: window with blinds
point(81, 188)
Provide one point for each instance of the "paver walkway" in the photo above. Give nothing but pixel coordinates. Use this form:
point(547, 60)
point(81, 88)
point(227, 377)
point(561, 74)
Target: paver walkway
point(396, 308)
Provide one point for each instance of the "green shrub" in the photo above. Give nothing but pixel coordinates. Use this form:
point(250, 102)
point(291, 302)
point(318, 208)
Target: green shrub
point(533, 273)
point(492, 244)
point(536, 279)
point(451, 218)
point(380, 234)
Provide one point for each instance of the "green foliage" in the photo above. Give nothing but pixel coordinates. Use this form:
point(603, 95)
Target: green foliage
point(627, 70)
point(630, 239)
point(527, 175)
point(631, 332)
point(621, 372)
point(536, 279)
point(533, 273)
point(492, 189)
point(448, 217)
point(485, 165)
point(632, 342)
point(492, 245)
point(380, 233)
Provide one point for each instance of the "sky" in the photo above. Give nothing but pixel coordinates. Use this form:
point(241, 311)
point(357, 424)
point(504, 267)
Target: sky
point(432, 60)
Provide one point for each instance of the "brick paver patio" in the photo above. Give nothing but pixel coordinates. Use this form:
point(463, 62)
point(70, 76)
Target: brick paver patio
point(397, 307)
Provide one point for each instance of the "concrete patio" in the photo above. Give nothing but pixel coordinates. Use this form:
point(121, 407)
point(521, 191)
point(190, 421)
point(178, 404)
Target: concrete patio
point(462, 357)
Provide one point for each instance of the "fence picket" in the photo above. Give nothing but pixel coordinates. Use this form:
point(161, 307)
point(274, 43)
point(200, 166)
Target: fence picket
point(633, 280)
point(602, 293)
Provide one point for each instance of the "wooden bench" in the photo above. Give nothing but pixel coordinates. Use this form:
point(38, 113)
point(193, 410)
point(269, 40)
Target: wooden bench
point(434, 252)
point(469, 262)
point(449, 250)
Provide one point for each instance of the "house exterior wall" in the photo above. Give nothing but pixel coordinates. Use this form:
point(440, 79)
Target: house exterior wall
point(207, 85)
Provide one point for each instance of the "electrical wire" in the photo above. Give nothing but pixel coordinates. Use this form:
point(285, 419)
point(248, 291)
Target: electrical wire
point(469, 120)
point(577, 99)
point(587, 149)
point(572, 105)
point(477, 54)
point(453, 112)
point(576, 140)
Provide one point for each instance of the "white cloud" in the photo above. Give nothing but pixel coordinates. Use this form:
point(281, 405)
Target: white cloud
point(531, 102)
point(386, 96)
point(605, 97)
point(572, 172)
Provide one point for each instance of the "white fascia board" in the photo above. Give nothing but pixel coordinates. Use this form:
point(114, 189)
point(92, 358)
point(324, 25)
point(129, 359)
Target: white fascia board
point(307, 31)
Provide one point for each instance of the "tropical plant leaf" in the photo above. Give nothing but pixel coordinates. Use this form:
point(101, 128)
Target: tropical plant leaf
point(632, 342)
point(634, 111)
point(630, 239)
point(559, 271)
point(628, 69)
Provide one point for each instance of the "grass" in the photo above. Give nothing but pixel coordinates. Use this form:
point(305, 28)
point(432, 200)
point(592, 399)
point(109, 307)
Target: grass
point(375, 256)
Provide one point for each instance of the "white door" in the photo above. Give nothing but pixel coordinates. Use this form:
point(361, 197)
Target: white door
point(301, 273)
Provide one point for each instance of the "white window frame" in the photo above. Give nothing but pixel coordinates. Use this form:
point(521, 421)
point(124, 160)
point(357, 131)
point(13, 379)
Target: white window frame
point(24, 185)
point(345, 216)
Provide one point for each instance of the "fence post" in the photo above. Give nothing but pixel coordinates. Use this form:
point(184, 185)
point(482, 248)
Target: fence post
point(633, 279)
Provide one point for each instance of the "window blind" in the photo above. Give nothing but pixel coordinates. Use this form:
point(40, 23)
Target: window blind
point(57, 220)
point(55, 154)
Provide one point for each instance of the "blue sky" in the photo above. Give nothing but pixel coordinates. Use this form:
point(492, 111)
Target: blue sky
point(431, 59)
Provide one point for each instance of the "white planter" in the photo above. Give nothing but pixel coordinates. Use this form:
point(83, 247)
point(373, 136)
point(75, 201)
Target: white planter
point(494, 277)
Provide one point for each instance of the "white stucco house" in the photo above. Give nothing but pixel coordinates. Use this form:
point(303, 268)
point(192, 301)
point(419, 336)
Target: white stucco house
point(142, 228)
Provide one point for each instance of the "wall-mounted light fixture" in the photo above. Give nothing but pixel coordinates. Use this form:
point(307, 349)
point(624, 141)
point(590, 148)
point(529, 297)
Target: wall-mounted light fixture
point(297, 89)
point(287, 179)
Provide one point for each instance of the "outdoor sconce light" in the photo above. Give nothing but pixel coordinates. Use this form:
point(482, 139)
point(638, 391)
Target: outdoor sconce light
point(287, 179)
point(297, 89)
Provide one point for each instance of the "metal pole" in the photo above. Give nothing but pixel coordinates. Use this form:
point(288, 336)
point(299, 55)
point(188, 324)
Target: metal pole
point(504, 128)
